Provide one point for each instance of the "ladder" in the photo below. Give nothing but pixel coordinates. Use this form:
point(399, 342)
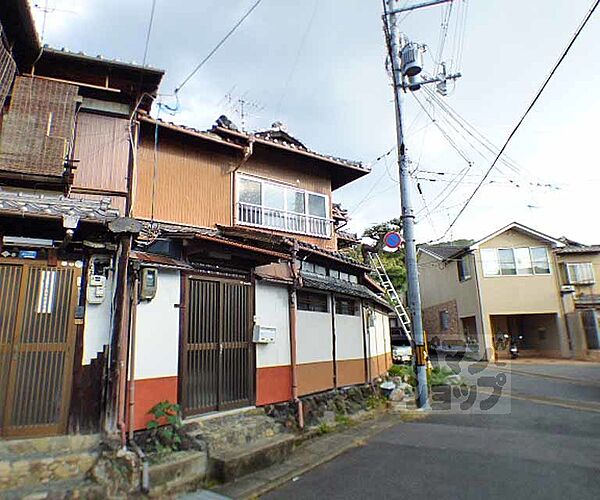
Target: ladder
point(392, 294)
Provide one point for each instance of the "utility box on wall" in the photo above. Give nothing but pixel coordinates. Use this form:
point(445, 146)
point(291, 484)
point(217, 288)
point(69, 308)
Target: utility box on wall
point(264, 334)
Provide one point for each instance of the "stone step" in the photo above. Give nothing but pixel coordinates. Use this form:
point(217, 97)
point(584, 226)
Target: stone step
point(19, 448)
point(233, 433)
point(42, 469)
point(57, 490)
point(229, 465)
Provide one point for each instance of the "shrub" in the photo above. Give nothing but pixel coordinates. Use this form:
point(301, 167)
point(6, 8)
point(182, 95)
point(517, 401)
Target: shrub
point(164, 428)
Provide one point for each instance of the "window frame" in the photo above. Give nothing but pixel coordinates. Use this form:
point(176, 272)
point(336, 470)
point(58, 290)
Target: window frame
point(462, 276)
point(301, 297)
point(580, 283)
point(514, 259)
point(346, 301)
point(306, 216)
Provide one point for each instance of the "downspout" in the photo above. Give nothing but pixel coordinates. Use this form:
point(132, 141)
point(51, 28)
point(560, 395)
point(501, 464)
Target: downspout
point(365, 352)
point(333, 341)
point(293, 337)
point(132, 332)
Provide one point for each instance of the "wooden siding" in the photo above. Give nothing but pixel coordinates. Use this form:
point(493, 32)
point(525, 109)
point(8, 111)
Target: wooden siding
point(192, 184)
point(284, 168)
point(102, 148)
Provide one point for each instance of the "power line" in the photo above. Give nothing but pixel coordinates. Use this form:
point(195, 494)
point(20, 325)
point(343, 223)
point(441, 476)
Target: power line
point(529, 108)
point(148, 32)
point(218, 46)
point(300, 48)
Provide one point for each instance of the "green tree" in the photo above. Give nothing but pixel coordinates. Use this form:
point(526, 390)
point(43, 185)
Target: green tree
point(377, 231)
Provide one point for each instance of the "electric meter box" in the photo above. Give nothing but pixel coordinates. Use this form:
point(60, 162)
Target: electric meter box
point(148, 283)
point(96, 289)
point(264, 334)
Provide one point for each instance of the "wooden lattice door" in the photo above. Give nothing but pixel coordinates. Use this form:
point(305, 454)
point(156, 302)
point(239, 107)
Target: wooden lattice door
point(217, 370)
point(37, 331)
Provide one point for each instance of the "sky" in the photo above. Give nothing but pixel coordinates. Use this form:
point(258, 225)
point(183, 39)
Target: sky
point(319, 66)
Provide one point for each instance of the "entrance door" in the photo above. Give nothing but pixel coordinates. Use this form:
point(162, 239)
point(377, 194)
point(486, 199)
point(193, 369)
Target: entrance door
point(37, 306)
point(217, 368)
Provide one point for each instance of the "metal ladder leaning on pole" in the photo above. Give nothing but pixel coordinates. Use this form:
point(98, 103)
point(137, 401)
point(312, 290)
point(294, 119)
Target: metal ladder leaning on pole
point(392, 294)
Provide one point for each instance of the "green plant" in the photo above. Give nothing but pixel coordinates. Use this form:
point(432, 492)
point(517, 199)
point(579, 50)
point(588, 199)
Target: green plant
point(164, 428)
point(324, 428)
point(439, 375)
point(342, 419)
point(375, 402)
point(405, 372)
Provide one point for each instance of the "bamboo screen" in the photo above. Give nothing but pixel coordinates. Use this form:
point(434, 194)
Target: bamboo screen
point(38, 128)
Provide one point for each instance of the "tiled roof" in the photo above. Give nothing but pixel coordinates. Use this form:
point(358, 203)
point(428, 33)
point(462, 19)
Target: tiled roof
point(282, 138)
point(203, 134)
point(579, 249)
point(329, 284)
point(100, 59)
point(443, 251)
point(332, 254)
point(40, 205)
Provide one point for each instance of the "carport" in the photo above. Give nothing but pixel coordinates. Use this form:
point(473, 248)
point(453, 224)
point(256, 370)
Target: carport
point(540, 333)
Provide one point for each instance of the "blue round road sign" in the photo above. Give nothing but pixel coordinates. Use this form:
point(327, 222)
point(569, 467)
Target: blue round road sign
point(392, 239)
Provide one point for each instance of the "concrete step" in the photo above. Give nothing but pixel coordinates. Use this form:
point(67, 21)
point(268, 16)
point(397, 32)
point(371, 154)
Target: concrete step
point(181, 471)
point(38, 462)
point(57, 490)
point(232, 464)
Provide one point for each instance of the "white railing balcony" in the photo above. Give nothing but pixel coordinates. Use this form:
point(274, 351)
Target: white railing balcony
point(281, 220)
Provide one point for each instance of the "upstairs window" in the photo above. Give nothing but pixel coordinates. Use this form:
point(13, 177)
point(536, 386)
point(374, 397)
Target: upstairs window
point(579, 273)
point(314, 302)
point(464, 268)
point(444, 321)
point(348, 307)
point(515, 261)
point(269, 204)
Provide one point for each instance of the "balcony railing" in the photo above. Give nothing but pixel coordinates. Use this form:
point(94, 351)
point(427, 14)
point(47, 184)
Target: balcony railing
point(290, 222)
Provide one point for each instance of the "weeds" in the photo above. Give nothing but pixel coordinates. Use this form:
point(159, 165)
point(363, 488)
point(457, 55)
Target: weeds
point(164, 428)
point(324, 428)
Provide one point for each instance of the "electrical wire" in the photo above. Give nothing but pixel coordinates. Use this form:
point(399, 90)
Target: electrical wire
point(298, 53)
point(148, 32)
point(217, 47)
point(529, 108)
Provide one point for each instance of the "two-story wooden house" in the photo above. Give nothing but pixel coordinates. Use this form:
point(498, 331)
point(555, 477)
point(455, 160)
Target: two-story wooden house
point(254, 304)
point(65, 174)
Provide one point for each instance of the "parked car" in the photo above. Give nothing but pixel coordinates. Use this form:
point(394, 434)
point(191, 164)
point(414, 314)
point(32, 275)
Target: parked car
point(402, 352)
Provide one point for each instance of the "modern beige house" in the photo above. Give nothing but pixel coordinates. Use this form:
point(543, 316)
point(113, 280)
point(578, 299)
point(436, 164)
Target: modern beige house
point(506, 283)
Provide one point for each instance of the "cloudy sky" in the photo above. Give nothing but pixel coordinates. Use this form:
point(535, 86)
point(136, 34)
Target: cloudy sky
point(319, 67)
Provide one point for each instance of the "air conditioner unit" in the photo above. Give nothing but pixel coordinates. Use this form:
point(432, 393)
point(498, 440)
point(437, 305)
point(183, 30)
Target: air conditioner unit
point(567, 289)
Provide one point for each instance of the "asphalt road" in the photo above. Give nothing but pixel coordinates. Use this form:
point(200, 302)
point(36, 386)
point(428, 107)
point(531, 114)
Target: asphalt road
point(544, 442)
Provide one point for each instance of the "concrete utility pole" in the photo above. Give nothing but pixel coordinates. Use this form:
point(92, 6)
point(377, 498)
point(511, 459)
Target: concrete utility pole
point(397, 43)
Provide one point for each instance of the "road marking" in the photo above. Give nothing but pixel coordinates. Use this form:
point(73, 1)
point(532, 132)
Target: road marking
point(551, 377)
point(569, 404)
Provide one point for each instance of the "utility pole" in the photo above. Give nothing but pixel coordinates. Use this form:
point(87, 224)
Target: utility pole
point(406, 61)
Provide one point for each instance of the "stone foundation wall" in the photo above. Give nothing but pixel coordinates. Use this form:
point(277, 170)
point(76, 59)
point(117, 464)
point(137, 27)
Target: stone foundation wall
point(325, 406)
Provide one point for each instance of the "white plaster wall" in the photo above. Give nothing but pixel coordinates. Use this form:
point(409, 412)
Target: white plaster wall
point(380, 335)
point(97, 324)
point(348, 337)
point(314, 336)
point(157, 330)
point(272, 309)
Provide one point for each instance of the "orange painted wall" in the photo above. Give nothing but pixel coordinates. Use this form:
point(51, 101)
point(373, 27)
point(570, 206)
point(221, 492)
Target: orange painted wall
point(150, 391)
point(273, 385)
